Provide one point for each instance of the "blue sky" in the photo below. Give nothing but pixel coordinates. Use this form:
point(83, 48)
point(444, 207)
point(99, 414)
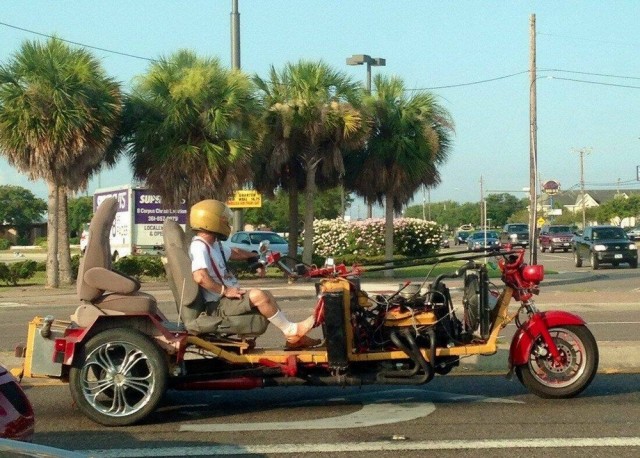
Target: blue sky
point(430, 45)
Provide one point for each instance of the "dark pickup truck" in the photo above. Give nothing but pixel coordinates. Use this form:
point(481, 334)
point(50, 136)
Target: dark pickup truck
point(604, 245)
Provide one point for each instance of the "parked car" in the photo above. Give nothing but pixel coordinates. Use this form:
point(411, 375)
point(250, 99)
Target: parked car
point(16, 412)
point(461, 237)
point(250, 240)
point(604, 245)
point(483, 240)
point(633, 233)
point(555, 237)
point(516, 234)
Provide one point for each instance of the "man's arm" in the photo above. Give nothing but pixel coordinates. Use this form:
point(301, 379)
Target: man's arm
point(238, 254)
point(204, 280)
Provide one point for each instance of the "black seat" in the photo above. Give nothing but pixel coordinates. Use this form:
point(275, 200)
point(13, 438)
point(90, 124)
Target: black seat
point(186, 292)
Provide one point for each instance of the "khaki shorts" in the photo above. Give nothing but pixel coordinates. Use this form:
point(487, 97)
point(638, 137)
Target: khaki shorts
point(229, 307)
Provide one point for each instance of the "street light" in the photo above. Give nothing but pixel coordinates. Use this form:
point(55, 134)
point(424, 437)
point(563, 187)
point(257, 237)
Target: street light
point(360, 59)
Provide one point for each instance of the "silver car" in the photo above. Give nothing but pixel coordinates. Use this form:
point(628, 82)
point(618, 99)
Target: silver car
point(250, 241)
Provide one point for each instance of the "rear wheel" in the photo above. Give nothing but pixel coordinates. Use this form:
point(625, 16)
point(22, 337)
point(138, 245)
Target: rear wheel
point(547, 379)
point(595, 264)
point(119, 378)
point(577, 259)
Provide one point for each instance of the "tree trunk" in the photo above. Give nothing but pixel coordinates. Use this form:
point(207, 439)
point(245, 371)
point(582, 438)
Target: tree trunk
point(309, 194)
point(64, 254)
point(294, 218)
point(388, 234)
point(52, 237)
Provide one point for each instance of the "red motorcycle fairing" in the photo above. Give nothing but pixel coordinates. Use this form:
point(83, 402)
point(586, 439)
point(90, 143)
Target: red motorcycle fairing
point(538, 325)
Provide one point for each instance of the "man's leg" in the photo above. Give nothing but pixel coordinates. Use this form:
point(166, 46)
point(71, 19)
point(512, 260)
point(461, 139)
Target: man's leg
point(267, 306)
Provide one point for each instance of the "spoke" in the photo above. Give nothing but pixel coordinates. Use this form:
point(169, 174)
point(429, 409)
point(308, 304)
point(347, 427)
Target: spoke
point(139, 384)
point(132, 358)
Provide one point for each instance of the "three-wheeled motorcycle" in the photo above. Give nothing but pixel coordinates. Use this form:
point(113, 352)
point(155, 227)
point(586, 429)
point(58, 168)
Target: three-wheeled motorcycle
point(120, 354)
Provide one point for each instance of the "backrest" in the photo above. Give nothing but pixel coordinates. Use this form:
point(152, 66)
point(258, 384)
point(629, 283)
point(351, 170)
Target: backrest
point(98, 252)
point(178, 267)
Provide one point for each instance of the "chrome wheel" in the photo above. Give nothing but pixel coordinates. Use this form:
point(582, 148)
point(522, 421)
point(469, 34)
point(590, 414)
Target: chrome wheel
point(121, 379)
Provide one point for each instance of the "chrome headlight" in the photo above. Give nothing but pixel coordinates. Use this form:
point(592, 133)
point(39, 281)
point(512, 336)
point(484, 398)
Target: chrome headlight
point(600, 247)
point(632, 246)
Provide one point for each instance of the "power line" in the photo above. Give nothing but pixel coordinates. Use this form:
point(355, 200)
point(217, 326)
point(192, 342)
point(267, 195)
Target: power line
point(448, 86)
point(600, 83)
point(78, 43)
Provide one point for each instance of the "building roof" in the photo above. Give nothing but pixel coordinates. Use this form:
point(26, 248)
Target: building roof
point(599, 196)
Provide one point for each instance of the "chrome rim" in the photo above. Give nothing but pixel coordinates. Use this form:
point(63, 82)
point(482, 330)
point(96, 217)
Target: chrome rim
point(571, 367)
point(117, 379)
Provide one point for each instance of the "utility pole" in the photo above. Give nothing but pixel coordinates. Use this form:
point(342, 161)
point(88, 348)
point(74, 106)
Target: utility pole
point(238, 220)
point(533, 144)
point(582, 152)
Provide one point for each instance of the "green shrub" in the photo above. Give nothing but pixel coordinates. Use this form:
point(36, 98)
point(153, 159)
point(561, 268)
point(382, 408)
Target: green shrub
point(5, 244)
point(365, 239)
point(13, 272)
point(139, 266)
point(41, 242)
point(75, 265)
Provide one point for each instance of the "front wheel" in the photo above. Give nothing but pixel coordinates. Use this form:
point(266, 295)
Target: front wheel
point(579, 352)
point(595, 264)
point(119, 378)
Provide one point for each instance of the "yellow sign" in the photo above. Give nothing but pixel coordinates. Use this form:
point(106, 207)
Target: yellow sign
point(245, 199)
point(541, 221)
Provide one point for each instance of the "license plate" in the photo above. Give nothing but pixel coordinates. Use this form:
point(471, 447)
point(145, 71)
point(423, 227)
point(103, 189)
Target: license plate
point(618, 256)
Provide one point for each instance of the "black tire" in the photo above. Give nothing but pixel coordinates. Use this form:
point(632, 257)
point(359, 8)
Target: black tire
point(580, 350)
point(595, 264)
point(107, 391)
point(577, 259)
point(552, 249)
point(542, 249)
point(633, 264)
point(565, 250)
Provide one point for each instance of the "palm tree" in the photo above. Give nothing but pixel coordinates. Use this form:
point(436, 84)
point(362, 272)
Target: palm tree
point(190, 128)
point(59, 114)
point(410, 138)
point(311, 120)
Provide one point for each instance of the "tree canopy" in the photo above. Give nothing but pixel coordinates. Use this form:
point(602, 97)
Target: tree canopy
point(190, 126)
point(59, 116)
point(21, 209)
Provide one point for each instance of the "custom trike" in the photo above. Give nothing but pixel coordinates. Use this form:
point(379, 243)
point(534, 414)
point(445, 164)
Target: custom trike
point(120, 354)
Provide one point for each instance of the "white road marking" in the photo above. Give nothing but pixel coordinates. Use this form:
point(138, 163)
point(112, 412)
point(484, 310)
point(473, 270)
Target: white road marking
point(369, 415)
point(379, 408)
point(11, 304)
point(352, 447)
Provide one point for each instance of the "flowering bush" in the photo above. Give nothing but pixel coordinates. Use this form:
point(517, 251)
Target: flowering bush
point(411, 237)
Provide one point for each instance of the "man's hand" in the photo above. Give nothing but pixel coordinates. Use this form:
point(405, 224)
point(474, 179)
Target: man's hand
point(233, 292)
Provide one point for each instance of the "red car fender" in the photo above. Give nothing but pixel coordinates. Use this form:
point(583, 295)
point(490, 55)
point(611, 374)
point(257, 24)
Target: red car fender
point(540, 322)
